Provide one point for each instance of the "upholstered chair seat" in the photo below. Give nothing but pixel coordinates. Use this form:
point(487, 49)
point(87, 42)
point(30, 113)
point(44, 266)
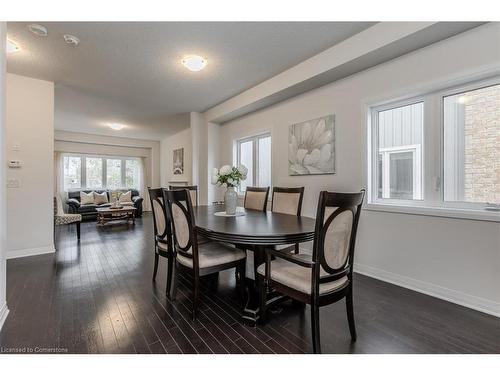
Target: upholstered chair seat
point(298, 277)
point(213, 254)
point(67, 219)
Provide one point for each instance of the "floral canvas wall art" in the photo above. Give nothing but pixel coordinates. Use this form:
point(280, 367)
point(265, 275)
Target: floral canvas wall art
point(311, 147)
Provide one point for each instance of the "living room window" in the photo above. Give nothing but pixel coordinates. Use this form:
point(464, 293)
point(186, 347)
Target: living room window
point(100, 172)
point(438, 152)
point(255, 154)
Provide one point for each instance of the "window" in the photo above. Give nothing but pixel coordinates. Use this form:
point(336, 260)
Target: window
point(472, 145)
point(131, 173)
point(94, 173)
point(72, 172)
point(114, 173)
point(97, 172)
point(399, 157)
point(438, 150)
point(255, 154)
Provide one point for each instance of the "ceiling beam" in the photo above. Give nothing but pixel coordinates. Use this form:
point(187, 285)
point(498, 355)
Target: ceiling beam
point(375, 45)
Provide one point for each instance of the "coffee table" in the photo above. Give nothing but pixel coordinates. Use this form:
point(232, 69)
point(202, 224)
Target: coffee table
point(107, 214)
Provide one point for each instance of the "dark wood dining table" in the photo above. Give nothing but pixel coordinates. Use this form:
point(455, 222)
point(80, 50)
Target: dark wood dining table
point(256, 228)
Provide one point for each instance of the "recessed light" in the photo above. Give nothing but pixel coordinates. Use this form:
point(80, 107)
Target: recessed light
point(71, 40)
point(11, 46)
point(37, 29)
point(194, 63)
point(116, 126)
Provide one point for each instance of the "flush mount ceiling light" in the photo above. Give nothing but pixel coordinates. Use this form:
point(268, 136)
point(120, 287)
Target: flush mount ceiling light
point(71, 40)
point(194, 63)
point(116, 126)
point(11, 46)
point(37, 29)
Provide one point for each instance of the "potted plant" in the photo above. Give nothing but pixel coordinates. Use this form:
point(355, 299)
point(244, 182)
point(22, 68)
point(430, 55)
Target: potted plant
point(229, 177)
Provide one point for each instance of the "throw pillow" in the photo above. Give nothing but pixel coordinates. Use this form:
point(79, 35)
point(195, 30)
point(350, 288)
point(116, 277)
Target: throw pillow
point(126, 197)
point(86, 198)
point(100, 198)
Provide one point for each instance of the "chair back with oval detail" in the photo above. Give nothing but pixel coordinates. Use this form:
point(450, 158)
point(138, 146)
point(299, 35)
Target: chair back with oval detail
point(193, 191)
point(161, 225)
point(336, 227)
point(180, 213)
point(256, 198)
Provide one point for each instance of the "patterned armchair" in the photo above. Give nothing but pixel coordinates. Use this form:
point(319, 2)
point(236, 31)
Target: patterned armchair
point(61, 218)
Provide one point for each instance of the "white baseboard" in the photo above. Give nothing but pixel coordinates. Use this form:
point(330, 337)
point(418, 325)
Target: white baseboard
point(477, 303)
point(4, 311)
point(11, 254)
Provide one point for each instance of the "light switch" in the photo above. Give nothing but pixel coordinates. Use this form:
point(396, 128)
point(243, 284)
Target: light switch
point(13, 183)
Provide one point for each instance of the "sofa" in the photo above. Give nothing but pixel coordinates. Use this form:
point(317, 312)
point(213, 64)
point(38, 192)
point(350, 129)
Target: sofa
point(89, 212)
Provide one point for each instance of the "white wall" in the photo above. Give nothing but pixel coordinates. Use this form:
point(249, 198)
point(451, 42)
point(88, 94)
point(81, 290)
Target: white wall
point(181, 139)
point(454, 259)
point(3, 197)
point(30, 126)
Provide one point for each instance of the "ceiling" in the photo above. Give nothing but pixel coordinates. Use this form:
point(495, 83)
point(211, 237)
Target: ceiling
point(130, 72)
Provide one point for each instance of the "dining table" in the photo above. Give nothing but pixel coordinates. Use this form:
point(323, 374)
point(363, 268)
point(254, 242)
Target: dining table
point(255, 231)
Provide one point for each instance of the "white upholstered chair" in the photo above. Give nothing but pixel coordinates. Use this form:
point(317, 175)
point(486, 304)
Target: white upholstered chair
point(326, 276)
point(287, 201)
point(191, 256)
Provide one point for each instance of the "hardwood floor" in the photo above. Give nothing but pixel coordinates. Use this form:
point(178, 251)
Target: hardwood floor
point(98, 298)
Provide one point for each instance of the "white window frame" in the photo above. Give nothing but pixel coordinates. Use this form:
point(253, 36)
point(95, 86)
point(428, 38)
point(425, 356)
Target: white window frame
point(432, 152)
point(104, 158)
point(417, 168)
point(255, 152)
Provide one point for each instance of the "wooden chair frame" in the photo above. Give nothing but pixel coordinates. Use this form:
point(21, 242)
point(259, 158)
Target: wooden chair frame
point(257, 189)
point(156, 196)
point(182, 199)
point(299, 190)
point(187, 187)
point(345, 202)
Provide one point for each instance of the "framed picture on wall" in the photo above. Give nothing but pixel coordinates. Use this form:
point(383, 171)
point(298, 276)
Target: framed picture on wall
point(178, 161)
point(311, 147)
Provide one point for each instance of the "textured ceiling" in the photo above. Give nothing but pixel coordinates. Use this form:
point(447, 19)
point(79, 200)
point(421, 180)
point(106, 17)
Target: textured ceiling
point(131, 72)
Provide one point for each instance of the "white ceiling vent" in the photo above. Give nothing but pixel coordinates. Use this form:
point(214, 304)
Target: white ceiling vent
point(71, 40)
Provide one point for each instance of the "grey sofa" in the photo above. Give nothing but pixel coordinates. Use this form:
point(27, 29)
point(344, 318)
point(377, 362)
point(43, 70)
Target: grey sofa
point(89, 212)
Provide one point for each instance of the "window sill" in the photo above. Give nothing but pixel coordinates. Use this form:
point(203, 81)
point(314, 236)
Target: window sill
point(481, 215)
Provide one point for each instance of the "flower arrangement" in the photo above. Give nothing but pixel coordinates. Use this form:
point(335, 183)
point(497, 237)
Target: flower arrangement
point(228, 176)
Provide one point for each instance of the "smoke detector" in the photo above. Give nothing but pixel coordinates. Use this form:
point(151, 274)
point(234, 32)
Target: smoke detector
point(71, 40)
point(37, 29)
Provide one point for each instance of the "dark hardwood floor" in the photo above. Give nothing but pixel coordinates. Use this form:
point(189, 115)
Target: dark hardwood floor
point(98, 298)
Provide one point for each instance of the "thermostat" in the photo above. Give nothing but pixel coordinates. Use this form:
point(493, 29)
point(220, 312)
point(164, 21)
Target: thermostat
point(14, 164)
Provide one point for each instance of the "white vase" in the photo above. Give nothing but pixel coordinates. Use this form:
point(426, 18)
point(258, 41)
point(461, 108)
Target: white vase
point(230, 200)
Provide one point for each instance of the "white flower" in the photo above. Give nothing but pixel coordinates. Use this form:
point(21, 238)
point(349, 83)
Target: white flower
point(215, 172)
point(225, 170)
point(215, 179)
point(230, 181)
point(310, 149)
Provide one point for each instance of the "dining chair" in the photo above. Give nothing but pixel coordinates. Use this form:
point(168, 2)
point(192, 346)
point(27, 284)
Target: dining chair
point(198, 259)
point(193, 190)
point(163, 234)
point(326, 276)
point(61, 218)
point(256, 198)
point(287, 201)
